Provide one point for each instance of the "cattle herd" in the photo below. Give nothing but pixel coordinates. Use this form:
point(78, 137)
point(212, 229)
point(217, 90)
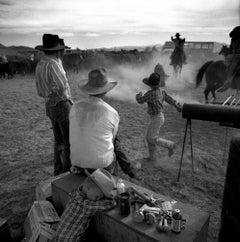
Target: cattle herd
point(76, 60)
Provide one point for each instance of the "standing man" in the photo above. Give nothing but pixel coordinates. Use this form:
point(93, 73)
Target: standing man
point(233, 62)
point(52, 85)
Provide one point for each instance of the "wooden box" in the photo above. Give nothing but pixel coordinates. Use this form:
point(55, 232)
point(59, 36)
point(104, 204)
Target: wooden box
point(111, 226)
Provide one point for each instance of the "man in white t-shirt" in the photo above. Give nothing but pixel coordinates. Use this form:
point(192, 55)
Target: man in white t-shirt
point(94, 126)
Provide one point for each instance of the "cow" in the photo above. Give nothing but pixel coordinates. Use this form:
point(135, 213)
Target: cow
point(5, 69)
point(18, 64)
point(72, 61)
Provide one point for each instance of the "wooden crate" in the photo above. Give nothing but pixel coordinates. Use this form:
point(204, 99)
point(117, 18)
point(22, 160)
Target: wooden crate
point(111, 226)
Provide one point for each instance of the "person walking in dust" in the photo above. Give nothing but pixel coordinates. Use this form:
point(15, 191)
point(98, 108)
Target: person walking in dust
point(154, 99)
point(52, 85)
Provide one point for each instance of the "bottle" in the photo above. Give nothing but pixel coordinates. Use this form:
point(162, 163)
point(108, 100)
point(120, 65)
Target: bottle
point(176, 221)
point(120, 187)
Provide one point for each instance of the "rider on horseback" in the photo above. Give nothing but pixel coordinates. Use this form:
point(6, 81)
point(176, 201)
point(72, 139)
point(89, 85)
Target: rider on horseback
point(233, 62)
point(179, 44)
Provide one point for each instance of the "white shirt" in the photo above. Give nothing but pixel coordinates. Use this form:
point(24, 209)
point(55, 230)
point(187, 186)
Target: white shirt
point(93, 127)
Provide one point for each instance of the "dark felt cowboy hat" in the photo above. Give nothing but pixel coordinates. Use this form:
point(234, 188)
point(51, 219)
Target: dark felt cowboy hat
point(51, 42)
point(177, 34)
point(235, 33)
point(153, 80)
point(97, 82)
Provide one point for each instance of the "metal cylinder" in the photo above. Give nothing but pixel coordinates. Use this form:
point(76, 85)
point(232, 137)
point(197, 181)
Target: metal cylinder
point(211, 112)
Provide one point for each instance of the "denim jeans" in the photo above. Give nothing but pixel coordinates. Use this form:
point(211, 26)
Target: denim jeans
point(153, 136)
point(59, 116)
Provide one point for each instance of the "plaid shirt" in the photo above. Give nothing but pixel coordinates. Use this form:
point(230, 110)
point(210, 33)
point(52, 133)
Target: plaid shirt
point(155, 99)
point(77, 215)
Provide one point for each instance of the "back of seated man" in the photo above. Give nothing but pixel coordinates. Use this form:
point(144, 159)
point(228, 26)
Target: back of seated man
point(94, 126)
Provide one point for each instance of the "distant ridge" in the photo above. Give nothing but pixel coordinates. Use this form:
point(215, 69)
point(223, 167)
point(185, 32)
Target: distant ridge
point(2, 46)
point(15, 50)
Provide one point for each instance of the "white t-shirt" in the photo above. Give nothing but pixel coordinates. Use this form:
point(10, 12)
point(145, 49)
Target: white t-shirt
point(93, 127)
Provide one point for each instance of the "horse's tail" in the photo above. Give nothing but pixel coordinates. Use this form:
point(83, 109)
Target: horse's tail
point(201, 72)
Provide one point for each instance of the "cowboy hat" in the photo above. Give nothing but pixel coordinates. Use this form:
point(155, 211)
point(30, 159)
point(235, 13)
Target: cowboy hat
point(177, 34)
point(153, 80)
point(97, 82)
point(235, 33)
point(104, 180)
point(51, 42)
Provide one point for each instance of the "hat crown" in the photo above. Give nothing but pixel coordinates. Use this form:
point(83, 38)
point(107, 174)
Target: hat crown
point(97, 78)
point(104, 180)
point(50, 40)
point(154, 79)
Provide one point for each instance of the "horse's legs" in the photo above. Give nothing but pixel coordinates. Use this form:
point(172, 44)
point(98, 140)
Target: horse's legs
point(206, 92)
point(213, 94)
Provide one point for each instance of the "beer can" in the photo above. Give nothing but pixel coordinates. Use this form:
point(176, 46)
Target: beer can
point(124, 204)
point(176, 221)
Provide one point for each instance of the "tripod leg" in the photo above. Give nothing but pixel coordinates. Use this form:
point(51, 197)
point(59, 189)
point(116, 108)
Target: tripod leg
point(190, 126)
point(184, 140)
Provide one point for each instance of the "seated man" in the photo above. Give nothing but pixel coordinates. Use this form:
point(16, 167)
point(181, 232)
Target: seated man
point(94, 126)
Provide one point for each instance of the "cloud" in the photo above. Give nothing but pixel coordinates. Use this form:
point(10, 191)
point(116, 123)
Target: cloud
point(99, 18)
point(92, 34)
point(5, 3)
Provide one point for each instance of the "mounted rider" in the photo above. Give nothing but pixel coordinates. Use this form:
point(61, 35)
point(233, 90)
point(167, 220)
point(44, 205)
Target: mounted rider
point(179, 44)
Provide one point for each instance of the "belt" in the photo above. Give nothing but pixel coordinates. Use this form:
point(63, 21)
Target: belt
point(81, 171)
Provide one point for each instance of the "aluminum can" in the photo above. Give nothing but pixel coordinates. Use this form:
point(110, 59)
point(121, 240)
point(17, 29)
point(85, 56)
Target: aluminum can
point(176, 221)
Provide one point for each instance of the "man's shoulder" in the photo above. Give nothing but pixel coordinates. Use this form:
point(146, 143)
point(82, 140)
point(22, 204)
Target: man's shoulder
point(108, 107)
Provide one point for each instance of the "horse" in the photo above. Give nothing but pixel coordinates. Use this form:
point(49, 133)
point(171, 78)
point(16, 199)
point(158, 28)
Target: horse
point(178, 58)
point(215, 74)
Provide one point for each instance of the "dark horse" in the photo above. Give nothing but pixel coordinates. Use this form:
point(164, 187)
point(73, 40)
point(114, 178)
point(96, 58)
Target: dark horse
point(215, 74)
point(178, 58)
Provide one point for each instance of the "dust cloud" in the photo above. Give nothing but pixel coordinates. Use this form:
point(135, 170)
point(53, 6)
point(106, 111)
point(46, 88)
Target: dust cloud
point(130, 82)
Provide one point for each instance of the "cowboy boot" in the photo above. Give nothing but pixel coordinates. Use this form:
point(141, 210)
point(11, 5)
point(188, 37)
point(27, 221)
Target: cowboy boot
point(153, 154)
point(171, 149)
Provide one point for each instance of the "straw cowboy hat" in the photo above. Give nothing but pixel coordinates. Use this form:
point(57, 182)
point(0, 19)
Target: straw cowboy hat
point(104, 180)
point(51, 42)
point(97, 82)
point(153, 80)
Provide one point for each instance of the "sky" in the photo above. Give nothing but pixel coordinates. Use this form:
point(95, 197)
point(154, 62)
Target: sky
point(89, 24)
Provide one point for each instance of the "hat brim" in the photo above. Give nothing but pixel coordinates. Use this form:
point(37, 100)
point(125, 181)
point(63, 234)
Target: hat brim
point(109, 195)
point(59, 47)
point(146, 81)
point(97, 90)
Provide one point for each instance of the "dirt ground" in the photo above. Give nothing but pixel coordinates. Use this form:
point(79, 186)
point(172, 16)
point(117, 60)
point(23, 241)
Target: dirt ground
point(26, 146)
